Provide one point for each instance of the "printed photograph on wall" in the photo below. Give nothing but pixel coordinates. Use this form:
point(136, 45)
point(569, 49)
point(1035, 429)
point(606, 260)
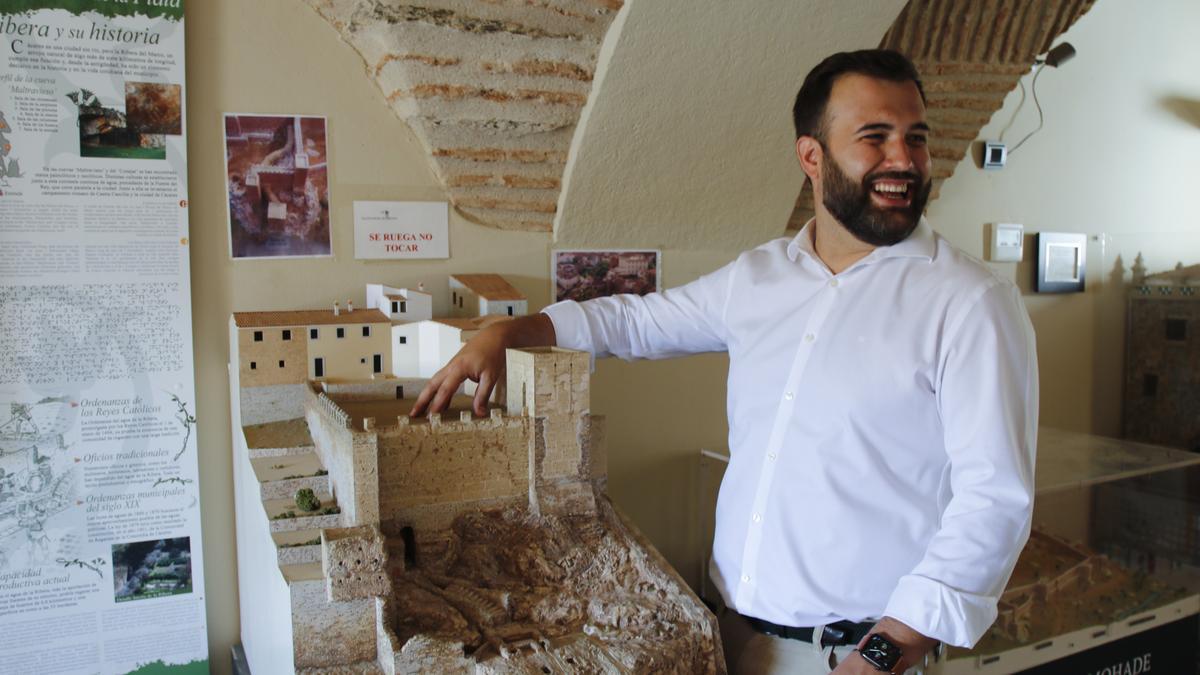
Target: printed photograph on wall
point(154, 108)
point(583, 275)
point(104, 130)
point(277, 184)
point(151, 569)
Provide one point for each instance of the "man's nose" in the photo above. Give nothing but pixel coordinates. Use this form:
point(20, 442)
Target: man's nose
point(898, 156)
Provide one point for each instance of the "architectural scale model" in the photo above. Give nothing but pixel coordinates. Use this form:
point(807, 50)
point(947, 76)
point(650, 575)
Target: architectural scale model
point(1162, 363)
point(395, 343)
point(484, 295)
point(1060, 586)
point(444, 544)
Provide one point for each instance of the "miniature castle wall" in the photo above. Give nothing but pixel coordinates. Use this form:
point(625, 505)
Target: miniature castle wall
point(326, 633)
point(273, 403)
point(432, 471)
point(552, 383)
point(349, 456)
point(423, 473)
point(375, 390)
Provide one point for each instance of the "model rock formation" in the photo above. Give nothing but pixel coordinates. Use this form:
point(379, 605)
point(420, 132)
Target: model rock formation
point(453, 543)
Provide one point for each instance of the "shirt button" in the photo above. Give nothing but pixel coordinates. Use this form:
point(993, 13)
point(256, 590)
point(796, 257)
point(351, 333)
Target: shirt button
point(787, 396)
point(833, 283)
point(745, 578)
point(757, 517)
point(771, 456)
point(809, 337)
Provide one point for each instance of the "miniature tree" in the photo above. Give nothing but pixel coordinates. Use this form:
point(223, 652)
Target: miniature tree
point(306, 500)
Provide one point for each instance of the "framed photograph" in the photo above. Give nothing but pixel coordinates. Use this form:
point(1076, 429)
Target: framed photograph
point(1061, 262)
point(276, 179)
point(586, 274)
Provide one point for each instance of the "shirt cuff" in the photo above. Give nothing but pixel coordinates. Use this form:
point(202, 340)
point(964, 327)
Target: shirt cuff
point(571, 329)
point(956, 618)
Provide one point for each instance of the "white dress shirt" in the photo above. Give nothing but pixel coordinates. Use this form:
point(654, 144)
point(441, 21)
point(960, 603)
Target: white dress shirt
point(882, 424)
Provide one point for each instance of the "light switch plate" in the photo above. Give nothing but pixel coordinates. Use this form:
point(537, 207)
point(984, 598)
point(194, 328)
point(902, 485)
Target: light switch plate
point(1007, 242)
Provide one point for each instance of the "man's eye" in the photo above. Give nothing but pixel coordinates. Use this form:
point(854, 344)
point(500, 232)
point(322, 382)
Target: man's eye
point(874, 137)
point(918, 140)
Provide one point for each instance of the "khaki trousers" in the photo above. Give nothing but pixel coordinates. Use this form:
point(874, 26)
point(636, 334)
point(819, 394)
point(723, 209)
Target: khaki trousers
point(748, 652)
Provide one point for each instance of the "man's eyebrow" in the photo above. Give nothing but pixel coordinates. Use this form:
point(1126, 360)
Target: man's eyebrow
point(876, 126)
point(884, 126)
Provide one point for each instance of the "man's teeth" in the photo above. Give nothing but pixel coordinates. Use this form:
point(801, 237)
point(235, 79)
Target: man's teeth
point(891, 188)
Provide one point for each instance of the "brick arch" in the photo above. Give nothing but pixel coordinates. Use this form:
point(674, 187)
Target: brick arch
point(492, 88)
point(970, 55)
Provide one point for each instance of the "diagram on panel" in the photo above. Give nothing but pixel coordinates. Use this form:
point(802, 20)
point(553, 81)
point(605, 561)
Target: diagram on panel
point(36, 482)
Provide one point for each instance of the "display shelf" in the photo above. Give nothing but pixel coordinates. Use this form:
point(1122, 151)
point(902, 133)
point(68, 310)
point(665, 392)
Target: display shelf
point(1068, 459)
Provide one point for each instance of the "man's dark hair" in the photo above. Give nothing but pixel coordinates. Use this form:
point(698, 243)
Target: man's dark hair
point(808, 113)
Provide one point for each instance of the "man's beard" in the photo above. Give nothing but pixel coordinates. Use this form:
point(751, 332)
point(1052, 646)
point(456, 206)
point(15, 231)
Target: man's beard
point(851, 204)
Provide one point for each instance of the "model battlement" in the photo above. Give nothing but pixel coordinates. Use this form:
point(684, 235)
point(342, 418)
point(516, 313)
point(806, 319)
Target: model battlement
point(435, 423)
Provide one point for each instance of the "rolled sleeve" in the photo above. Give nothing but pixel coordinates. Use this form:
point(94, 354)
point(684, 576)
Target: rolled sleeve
point(988, 400)
point(685, 320)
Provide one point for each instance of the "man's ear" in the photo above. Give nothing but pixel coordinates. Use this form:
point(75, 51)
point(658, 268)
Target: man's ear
point(811, 154)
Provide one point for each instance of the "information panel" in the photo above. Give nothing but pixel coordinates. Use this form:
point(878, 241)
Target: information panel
point(100, 555)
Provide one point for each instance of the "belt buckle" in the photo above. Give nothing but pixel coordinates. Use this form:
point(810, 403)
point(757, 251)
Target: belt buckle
point(831, 635)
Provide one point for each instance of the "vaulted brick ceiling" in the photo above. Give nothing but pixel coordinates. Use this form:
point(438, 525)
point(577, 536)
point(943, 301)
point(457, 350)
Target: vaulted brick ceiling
point(970, 55)
point(493, 89)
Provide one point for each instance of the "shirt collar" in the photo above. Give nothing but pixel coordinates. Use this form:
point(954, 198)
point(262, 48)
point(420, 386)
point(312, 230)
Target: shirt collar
point(919, 244)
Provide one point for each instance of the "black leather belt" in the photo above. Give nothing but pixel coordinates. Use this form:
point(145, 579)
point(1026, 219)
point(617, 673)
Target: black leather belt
point(835, 634)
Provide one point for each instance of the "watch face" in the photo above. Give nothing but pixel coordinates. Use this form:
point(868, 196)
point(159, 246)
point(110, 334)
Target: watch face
point(881, 653)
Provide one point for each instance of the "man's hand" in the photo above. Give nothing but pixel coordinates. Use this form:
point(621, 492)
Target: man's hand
point(481, 360)
point(911, 643)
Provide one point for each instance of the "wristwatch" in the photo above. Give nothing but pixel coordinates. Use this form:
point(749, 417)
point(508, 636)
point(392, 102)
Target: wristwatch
point(881, 653)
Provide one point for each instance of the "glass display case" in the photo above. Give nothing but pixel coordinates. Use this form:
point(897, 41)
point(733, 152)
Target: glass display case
point(1109, 580)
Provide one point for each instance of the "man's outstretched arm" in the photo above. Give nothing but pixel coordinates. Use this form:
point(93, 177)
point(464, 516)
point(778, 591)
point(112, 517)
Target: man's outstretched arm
point(481, 360)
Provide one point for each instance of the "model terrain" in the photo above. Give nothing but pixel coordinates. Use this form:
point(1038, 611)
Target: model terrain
point(372, 542)
point(1058, 587)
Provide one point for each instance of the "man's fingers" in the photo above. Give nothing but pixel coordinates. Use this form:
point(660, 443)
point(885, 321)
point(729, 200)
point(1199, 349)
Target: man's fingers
point(487, 382)
point(445, 392)
point(431, 389)
point(423, 399)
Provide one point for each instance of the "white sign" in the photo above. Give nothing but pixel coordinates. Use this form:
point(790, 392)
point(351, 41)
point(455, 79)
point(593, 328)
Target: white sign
point(401, 230)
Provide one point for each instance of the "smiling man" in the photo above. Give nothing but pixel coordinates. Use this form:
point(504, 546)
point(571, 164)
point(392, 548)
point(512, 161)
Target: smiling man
point(882, 399)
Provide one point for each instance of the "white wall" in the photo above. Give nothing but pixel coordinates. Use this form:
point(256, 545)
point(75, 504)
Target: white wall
point(1114, 160)
point(501, 307)
point(406, 358)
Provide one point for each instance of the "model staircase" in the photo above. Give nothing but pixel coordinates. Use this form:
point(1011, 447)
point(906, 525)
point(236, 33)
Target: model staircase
point(285, 461)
